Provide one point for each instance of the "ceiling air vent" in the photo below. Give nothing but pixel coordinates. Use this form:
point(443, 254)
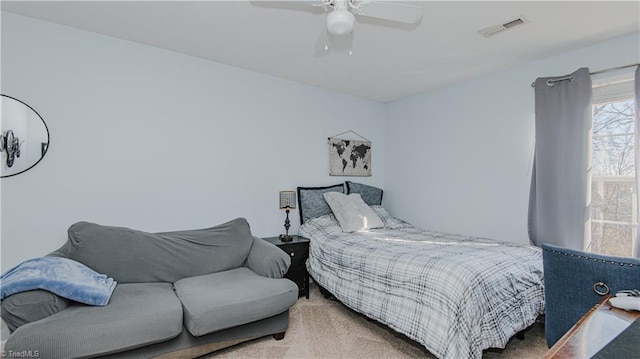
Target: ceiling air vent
point(496, 29)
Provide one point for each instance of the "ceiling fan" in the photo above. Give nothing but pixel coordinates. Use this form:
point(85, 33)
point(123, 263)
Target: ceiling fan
point(337, 35)
point(341, 20)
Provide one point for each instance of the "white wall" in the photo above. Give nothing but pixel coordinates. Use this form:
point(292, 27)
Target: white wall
point(155, 140)
point(459, 158)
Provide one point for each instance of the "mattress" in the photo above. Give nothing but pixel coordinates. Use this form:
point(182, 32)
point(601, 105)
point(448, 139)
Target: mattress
point(456, 295)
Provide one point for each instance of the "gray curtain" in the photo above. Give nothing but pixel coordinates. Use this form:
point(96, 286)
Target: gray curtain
point(558, 206)
point(636, 88)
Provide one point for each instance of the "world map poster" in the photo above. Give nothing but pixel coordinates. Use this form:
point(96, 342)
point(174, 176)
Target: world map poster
point(349, 157)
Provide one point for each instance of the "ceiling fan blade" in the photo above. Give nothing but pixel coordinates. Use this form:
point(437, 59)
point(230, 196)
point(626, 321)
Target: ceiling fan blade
point(314, 6)
point(325, 4)
point(404, 13)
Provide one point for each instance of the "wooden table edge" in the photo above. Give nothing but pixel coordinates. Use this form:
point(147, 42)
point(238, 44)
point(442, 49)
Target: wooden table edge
point(565, 338)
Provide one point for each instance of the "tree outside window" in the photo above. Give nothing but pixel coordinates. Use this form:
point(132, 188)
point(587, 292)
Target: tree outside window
point(613, 198)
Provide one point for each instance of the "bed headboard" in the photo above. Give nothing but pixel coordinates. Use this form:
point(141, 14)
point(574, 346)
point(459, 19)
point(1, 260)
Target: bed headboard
point(311, 202)
point(370, 195)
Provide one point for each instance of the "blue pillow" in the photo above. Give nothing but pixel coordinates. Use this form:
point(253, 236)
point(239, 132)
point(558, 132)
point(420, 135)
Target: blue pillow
point(371, 195)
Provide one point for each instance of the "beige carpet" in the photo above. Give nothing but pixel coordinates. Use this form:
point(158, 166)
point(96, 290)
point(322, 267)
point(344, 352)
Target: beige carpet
point(320, 328)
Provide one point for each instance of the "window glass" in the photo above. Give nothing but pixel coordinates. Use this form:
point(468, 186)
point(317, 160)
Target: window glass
point(613, 198)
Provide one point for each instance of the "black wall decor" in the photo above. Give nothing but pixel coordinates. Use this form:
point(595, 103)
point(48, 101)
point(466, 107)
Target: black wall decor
point(24, 135)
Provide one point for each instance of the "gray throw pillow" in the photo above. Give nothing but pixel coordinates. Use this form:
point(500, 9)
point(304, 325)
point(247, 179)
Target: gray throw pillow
point(132, 256)
point(26, 307)
point(370, 195)
point(312, 203)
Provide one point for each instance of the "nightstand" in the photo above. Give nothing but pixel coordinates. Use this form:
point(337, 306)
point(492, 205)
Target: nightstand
point(298, 250)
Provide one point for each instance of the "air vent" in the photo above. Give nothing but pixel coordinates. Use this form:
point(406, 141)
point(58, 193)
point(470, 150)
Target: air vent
point(513, 23)
point(496, 29)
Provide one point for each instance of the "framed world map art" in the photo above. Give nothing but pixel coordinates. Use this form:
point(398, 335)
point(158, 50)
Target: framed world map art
point(349, 157)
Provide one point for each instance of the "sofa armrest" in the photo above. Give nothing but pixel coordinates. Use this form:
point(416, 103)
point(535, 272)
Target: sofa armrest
point(267, 259)
point(26, 307)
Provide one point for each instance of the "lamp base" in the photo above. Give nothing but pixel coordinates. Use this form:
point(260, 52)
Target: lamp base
point(286, 238)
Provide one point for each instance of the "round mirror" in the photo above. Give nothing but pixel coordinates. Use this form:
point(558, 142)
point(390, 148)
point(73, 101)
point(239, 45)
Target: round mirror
point(24, 137)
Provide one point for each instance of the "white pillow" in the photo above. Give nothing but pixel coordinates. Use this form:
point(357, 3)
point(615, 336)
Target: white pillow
point(351, 212)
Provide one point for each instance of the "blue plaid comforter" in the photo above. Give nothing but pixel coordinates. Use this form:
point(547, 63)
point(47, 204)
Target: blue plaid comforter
point(455, 295)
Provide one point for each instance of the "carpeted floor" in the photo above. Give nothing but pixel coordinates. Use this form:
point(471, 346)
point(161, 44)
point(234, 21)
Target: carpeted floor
point(320, 328)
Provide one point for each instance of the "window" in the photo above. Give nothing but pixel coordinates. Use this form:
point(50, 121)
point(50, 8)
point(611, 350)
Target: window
point(613, 185)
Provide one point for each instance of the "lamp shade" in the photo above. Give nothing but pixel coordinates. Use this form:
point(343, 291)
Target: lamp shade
point(287, 199)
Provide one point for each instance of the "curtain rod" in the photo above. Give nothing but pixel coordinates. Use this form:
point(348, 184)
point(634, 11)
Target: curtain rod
point(551, 81)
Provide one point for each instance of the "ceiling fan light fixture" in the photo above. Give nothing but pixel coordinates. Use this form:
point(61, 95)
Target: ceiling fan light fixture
point(340, 22)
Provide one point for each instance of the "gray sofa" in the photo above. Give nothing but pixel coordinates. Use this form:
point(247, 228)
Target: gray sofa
point(179, 295)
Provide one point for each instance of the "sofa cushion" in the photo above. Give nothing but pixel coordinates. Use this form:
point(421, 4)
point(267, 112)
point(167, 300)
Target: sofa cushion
point(132, 256)
point(138, 314)
point(26, 307)
point(221, 300)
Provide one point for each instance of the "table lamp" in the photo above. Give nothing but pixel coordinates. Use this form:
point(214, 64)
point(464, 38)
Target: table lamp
point(287, 202)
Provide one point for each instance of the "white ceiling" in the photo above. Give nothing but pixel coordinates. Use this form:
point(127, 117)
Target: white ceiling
point(388, 62)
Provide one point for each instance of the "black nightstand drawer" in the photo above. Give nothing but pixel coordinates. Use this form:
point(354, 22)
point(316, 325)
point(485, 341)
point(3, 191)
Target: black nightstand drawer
point(298, 251)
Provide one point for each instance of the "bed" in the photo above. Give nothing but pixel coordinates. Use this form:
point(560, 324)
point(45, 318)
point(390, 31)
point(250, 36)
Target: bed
point(456, 295)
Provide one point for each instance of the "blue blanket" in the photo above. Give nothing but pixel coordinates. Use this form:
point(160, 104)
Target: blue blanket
point(64, 277)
